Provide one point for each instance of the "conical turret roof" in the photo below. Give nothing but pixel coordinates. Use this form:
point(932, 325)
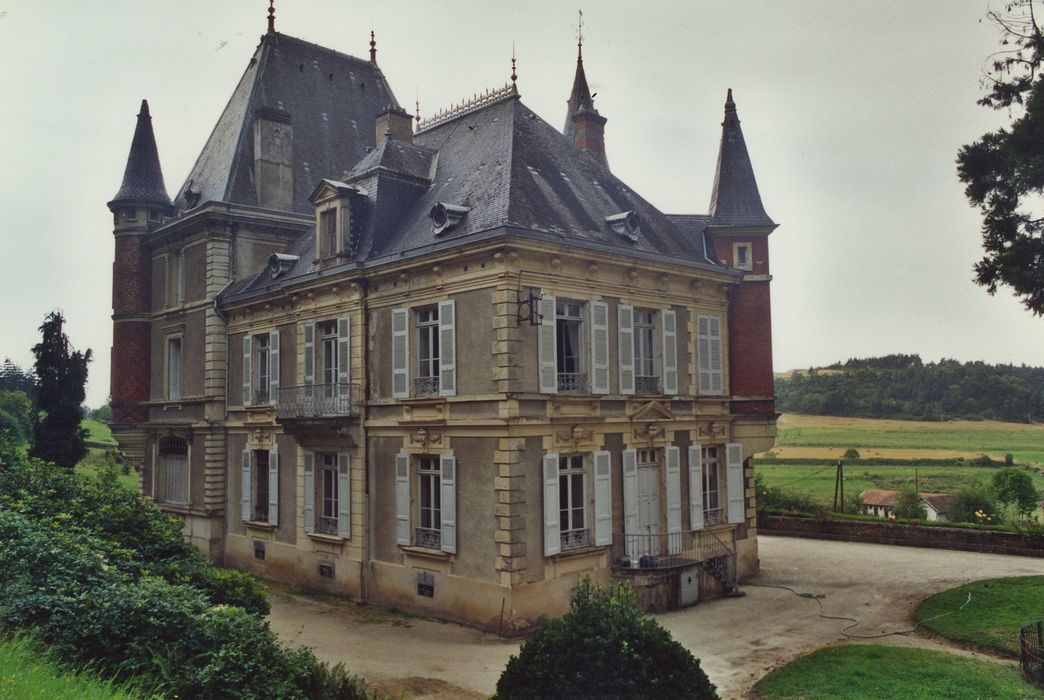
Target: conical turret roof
point(579, 98)
point(735, 200)
point(143, 178)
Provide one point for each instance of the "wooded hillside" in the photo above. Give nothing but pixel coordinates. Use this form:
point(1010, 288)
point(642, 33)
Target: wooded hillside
point(904, 387)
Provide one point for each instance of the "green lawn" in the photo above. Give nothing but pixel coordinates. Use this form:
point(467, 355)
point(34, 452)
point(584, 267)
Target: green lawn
point(857, 671)
point(818, 481)
point(991, 619)
point(25, 675)
point(98, 459)
point(98, 431)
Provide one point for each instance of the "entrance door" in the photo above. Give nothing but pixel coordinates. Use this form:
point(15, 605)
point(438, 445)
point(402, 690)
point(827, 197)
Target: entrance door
point(648, 503)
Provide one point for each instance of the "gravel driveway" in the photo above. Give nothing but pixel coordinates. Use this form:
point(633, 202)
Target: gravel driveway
point(737, 640)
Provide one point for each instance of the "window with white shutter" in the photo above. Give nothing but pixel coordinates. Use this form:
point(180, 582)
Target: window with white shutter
point(246, 483)
point(447, 348)
point(344, 495)
point(309, 491)
point(603, 488)
point(695, 488)
point(673, 481)
point(734, 482)
point(448, 486)
point(668, 326)
point(599, 347)
point(630, 500)
point(708, 355)
point(552, 538)
point(402, 498)
point(273, 367)
point(248, 376)
point(344, 340)
point(625, 326)
point(547, 344)
point(308, 333)
point(400, 353)
point(273, 487)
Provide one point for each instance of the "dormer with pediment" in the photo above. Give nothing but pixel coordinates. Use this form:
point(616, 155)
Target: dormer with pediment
point(332, 201)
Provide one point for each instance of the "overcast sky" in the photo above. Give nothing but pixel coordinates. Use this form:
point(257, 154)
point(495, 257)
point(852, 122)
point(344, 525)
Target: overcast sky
point(853, 114)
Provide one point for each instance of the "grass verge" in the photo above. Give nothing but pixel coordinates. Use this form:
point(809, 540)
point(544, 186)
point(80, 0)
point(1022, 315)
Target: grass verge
point(991, 619)
point(874, 671)
point(26, 675)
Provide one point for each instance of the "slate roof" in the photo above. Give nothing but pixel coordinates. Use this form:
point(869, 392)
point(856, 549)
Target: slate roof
point(143, 177)
point(887, 499)
point(735, 200)
point(332, 100)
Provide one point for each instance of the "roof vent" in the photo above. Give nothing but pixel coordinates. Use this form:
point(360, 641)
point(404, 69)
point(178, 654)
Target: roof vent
point(626, 223)
point(446, 216)
point(279, 263)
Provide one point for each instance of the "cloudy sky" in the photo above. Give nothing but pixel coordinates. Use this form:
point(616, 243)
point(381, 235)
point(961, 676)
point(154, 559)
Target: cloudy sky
point(853, 114)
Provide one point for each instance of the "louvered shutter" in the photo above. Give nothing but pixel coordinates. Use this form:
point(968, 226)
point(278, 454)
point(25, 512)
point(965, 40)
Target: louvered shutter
point(344, 495)
point(672, 457)
point(703, 354)
point(625, 322)
point(669, 328)
point(599, 347)
point(309, 368)
point(402, 498)
point(552, 529)
point(630, 500)
point(695, 487)
point(273, 487)
point(344, 340)
point(734, 481)
point(246, 500)
point(247, 370)
point(603, 488)
point(309, 491)
point(273, 367)
point(447, 348)
point(400, 351)
point(448, 485)
point(715, 356)
point(547, 343)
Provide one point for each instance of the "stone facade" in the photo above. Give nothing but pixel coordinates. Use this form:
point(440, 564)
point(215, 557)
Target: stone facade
point(465, 423)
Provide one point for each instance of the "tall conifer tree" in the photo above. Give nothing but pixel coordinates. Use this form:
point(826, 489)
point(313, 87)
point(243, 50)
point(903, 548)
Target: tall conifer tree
point(62, 376)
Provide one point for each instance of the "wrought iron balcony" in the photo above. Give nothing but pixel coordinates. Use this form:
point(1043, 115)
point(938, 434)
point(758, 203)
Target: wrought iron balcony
point(572, 383)
point(713, 516)
point(647, 385)
point(426, 386)
point(318, 401)
point(575, 539)
point(325, 525)
point(426, 537)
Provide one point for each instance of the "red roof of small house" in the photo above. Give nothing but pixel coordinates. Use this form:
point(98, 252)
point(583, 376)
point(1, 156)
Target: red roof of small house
point(879, 497)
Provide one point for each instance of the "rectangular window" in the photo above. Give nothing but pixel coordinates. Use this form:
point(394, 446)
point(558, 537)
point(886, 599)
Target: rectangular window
point(712, 510)
point(328, 225)
point(568, 350)
point(172, 480)
point(572, 504)
point(645, 380)
point(259, 479)
point(173, 368)
point(326, 486)
point(708, 355)
point(263, 375)
point(427, 380)
point(429, 532)
point(741, 256)
point(177, 276)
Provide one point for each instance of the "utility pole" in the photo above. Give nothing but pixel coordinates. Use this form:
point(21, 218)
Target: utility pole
point(839, 488)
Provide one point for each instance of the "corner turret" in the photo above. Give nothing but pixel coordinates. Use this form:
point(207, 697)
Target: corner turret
point(584, 126)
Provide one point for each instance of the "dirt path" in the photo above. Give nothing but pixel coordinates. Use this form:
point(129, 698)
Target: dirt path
point(737, 640)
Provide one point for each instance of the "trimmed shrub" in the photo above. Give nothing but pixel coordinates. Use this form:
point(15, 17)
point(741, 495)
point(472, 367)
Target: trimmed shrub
point(603, 647)
point(851, 453)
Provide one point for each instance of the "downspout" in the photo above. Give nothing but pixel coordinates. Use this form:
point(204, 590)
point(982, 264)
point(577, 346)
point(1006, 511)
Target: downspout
point(367, 555)
point(233, 227)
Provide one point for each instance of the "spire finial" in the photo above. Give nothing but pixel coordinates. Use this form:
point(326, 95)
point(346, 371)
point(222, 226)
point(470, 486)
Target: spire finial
point(514, 75)
point(271, 16)
point(373, 48)
point(730, 106)
point(416, 115)
point(580, 38)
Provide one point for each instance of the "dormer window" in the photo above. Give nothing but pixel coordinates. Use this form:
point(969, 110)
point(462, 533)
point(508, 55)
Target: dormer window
point(333, 219)
point(328, 233)
point(445, 216)
point(626, 223)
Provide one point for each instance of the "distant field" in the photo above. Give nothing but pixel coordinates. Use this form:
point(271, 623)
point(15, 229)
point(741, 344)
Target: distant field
point(98, 431)
point(828, 436)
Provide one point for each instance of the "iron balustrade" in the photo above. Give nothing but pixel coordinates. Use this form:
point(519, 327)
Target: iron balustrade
point(647, 385)
point(572, 383)
point(427, 537)
point(660, 550)
point(713, 516)
point(426, 386)
point(575, 539)
point(325, 525)
point(318, 400)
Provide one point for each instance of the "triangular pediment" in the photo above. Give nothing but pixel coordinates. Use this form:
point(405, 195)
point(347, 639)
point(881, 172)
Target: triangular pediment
point(330, 189)
point(652, 410)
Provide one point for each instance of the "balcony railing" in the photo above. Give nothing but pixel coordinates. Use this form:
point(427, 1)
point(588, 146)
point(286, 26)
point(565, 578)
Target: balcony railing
point(426, 386)
point(325, 525)
point(713, 516)
point(426, 537)
point(660, 551)
point(647, 385)
point(572, 383)
point(318, 400)
point(575, 539)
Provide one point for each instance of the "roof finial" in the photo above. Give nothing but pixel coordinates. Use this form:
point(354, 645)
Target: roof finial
point(373, 48)
point(416, 116)
point(271, 16)
point(580, 38)
point(730, 106)
point(514, 75)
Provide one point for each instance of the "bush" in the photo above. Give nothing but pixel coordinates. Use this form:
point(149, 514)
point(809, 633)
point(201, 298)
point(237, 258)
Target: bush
point(908, 505)
point(779, 498)
point(603, 647)
point(851, 453)
point(973, 498)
